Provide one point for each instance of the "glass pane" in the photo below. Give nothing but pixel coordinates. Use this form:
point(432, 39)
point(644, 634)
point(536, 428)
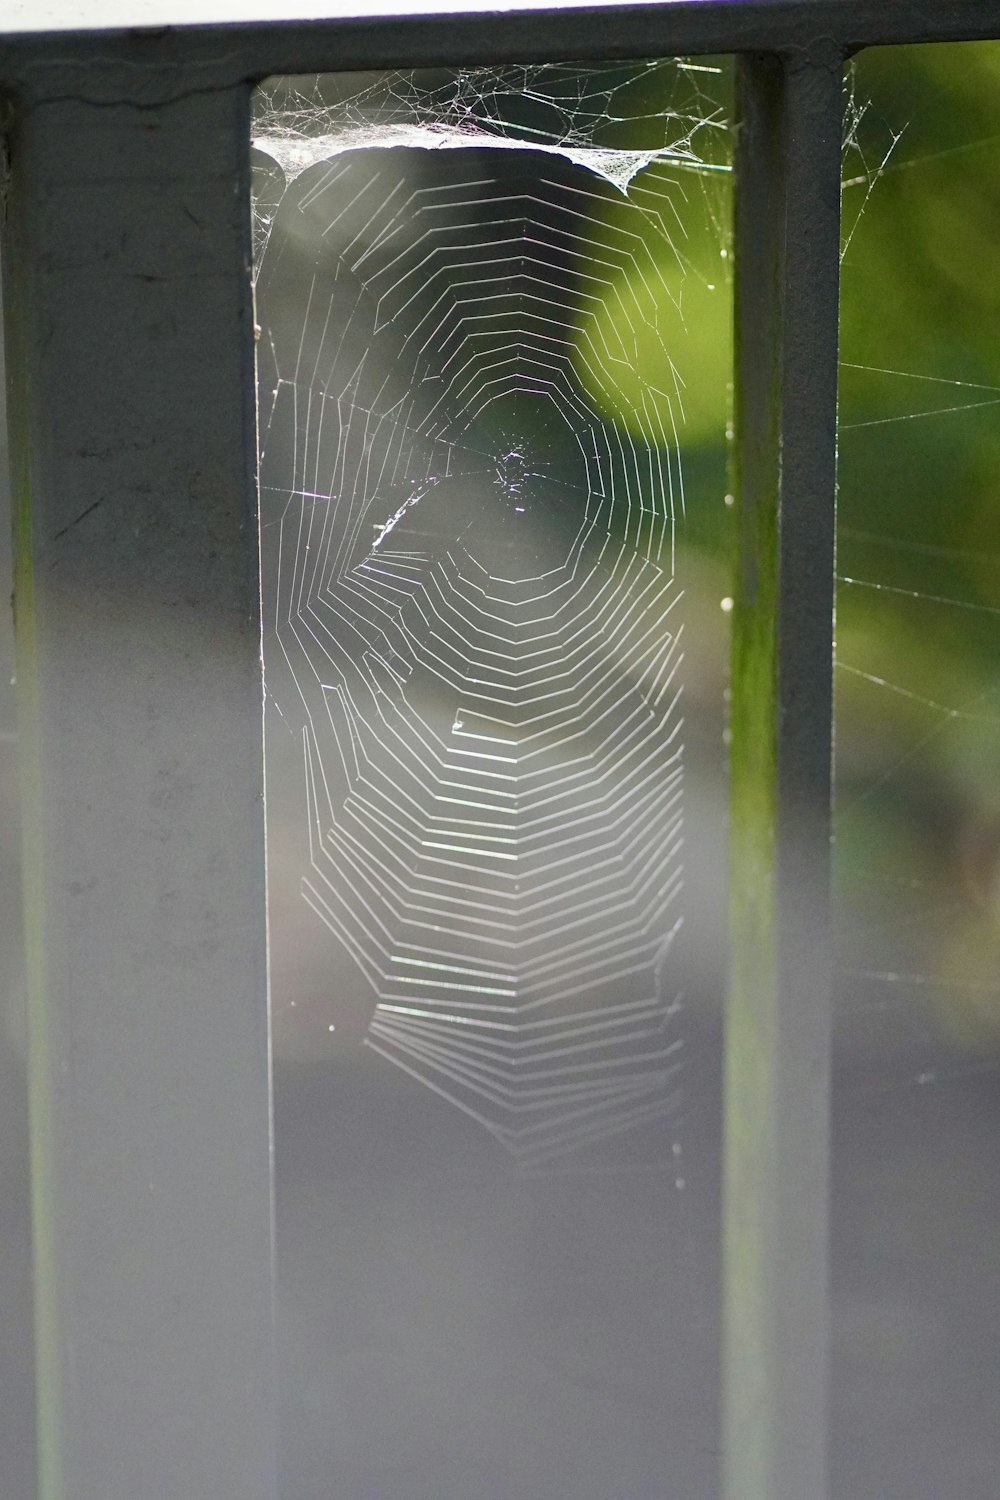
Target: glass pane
point(493, 356)
point(917, 1125)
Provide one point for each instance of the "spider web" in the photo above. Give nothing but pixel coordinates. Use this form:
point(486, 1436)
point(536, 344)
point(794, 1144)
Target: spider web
point(918, 706)
point(470, 487)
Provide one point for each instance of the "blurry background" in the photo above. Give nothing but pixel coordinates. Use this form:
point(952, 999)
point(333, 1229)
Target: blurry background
point(918, 993)
point(452, 1331)
point(917, 1097)
point(460, 1316)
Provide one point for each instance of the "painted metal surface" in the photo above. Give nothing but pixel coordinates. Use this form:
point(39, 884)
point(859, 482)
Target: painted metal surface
point(130, 348)
point(165, 62)
point(787, 218)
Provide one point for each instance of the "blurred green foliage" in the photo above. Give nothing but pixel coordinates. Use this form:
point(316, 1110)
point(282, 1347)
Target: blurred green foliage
point(918, 707)
point(918, 712)
point(683, 346)
point(683, 349)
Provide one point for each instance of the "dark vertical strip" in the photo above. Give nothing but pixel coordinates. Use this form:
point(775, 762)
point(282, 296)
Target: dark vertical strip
point(129, 335)
point(786, 227)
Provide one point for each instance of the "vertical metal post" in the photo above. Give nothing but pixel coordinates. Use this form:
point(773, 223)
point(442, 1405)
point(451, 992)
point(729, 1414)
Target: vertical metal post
point(787, 225)
point(130, 358)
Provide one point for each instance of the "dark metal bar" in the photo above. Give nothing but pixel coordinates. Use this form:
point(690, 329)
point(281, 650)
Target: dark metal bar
point(168, 60)
point(787, 207)
point(136, 588)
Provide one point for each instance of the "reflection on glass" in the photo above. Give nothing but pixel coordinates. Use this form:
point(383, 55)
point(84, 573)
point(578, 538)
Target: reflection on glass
point(478, 295)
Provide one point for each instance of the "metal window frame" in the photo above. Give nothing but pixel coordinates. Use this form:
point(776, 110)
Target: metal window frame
point(130, 353)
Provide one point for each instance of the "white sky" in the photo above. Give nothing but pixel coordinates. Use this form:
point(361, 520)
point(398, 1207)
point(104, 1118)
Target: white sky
point(62, 15)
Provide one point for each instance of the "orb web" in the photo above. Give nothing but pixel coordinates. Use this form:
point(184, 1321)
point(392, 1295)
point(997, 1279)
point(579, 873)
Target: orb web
point(473, 627)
